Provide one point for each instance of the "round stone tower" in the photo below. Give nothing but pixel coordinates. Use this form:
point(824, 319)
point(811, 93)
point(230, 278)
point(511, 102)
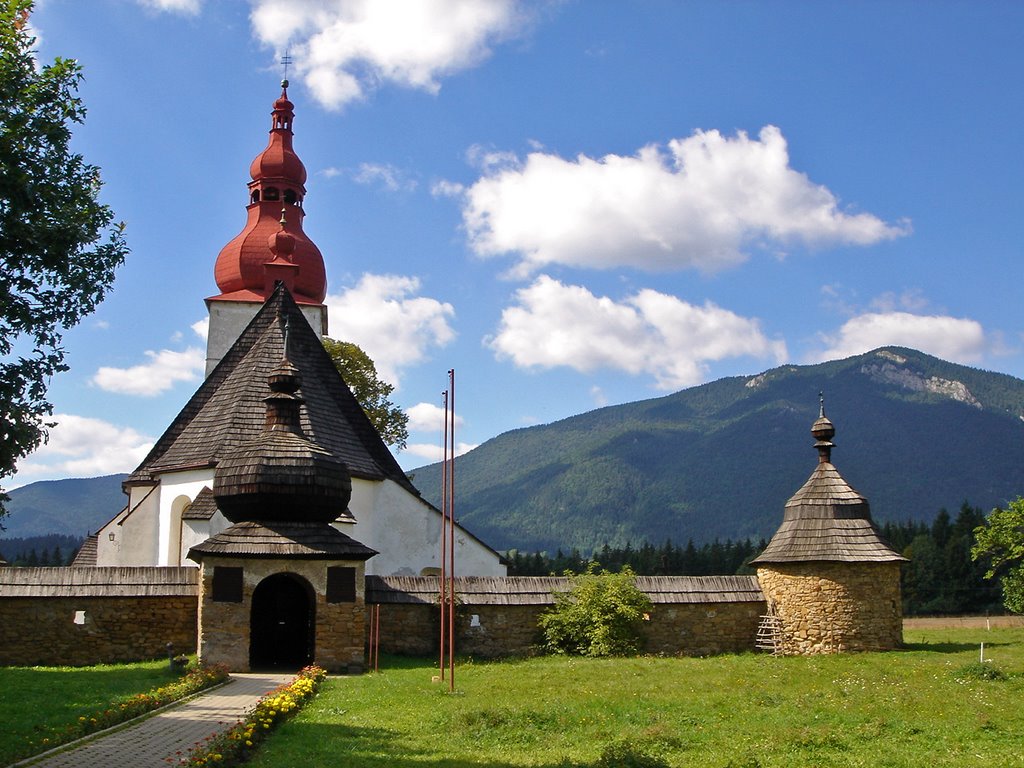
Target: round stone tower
point(827, 574)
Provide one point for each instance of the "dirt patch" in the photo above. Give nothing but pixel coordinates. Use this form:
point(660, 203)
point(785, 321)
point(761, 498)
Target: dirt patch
point(963, 622)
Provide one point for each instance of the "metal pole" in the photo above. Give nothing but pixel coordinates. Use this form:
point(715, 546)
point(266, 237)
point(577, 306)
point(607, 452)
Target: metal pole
point(451, 533)
point(444, 531)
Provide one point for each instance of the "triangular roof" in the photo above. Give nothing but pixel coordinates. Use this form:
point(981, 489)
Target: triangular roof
point(228, 409)
point(827, 519)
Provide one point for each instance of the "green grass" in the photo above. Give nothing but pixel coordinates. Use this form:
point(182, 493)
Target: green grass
point(36, 702)
point(924, 706)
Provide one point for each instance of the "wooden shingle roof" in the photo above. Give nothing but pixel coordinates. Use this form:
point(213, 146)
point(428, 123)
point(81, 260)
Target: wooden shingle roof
point(539, 590)
point(86, 555)
point(827, 520)
point(202, 507)
point(271, 539)
point(98, 582)
point(228, 410)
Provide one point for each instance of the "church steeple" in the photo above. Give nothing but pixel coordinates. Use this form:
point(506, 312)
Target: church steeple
point(271, 246)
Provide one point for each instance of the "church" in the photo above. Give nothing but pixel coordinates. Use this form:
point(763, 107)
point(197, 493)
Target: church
point(272, 282)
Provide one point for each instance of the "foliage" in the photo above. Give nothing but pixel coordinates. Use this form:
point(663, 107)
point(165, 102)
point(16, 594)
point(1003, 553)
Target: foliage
point(55, 550)
point(628, 754)
point(600, 614)
point(55, 269)
point(1001, 539)
point(711, 559)
point(235, 745)
point(941, 577)
point(980, 670)
point(360, 373)
point(44, 707)
point(902, 709)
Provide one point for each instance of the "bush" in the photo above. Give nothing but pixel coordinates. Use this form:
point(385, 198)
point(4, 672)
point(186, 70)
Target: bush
point(600, 615)
point(980, 670)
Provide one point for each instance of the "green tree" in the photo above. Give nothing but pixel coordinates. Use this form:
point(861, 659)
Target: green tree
point(600, 614)
point(360, 373)
point(58, 245)
point(1001, 538)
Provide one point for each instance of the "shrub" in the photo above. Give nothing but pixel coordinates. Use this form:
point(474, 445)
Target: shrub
point(600, 614)
point(978, 670)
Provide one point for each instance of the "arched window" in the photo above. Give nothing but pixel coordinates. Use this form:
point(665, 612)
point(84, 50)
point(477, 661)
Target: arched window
point(271, 193)
point(255, 196)
point(290, 196)
point(178, 507)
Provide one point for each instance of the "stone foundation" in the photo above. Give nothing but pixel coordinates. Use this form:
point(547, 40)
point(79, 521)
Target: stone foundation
point(831, 607)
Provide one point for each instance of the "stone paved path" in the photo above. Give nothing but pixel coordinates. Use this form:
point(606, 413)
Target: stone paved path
point(148, 743)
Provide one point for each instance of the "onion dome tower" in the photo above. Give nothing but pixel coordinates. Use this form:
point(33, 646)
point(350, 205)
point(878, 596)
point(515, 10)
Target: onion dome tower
point(832, 580)
point(249, 265)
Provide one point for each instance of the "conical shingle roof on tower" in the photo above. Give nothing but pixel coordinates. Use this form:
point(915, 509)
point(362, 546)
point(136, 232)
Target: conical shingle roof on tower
point(826, 519)
point(228, 411)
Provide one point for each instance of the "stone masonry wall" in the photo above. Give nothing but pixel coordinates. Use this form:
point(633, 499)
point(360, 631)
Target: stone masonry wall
point(833, 607)
point(43, 631)
point(491, 631)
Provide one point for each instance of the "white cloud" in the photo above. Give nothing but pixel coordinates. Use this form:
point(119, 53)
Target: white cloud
point(435, 452)
point(201, 328)
point(344, 48)
point(951, 338)
point(648, 333)
point(164, 369)
point(85, 447)
point(386, 175)
point(427, 417)
point(184, 7)
point(702, 203)
point(395, 327)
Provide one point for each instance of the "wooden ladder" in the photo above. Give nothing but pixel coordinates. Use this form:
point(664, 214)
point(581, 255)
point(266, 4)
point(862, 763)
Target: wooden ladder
point(769, 633)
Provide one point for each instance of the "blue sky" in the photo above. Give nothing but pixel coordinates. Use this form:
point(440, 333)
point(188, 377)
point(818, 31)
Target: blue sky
point(572, 204)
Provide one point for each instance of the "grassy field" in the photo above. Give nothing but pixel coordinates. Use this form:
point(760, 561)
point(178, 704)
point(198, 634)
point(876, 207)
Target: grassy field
point(927, 705)
point(35, 701)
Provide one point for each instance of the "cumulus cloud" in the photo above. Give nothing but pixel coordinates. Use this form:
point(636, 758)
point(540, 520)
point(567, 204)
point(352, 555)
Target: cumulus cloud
point(183, 7)
point(394, 326)
point(344, 48)
point(427, 417)
point(85, 447)
point(703, 202)
point(164, 369)
point(385, 175)
point(435, 452)
point(648, 333)
point(951, 338)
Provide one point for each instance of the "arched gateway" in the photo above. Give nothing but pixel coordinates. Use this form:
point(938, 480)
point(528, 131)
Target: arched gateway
point(282, 623)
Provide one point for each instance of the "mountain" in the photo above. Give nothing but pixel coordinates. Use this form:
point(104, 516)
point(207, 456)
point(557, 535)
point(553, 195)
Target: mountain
point(73, 506)
point(913, 434)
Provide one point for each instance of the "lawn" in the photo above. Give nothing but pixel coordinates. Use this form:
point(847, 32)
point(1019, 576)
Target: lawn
point(923, 706)
point(36, 701)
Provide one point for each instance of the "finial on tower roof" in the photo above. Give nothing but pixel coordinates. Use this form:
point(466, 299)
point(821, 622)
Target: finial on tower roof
point(823, 431)
point(821, 405)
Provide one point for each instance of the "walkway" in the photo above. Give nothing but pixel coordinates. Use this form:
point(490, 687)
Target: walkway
point(147, 744)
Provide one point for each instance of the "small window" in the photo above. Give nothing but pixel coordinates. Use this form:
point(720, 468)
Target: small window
point(79, 617)
point(289, 196)
point(256, 196)
point(271, 193)
point(227, 585)
point(341, 584)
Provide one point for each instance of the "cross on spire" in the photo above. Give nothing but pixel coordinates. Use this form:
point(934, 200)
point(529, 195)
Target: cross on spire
point(286, 61)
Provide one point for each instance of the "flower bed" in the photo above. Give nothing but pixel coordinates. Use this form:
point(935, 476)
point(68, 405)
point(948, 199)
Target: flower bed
point(235, 745)
point(193, 681)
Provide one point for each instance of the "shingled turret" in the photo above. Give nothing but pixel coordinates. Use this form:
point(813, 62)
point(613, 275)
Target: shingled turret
point(827, 573)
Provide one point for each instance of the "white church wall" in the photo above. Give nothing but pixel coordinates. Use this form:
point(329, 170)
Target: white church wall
point(197, 531)
point(406, 531)
point(177, 490)
point(131, 538)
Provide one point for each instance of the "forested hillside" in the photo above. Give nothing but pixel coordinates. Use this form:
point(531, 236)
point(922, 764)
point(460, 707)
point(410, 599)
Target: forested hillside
point(914, 434)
